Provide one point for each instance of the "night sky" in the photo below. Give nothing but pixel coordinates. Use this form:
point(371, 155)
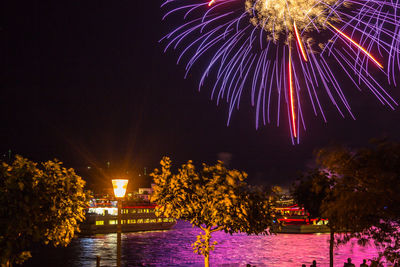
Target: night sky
point(88, 83)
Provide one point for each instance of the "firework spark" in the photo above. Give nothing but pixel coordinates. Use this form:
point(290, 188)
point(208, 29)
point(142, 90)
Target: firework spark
point(291, 94)
point(286, 52)
point(300, 42)
point(358, 46)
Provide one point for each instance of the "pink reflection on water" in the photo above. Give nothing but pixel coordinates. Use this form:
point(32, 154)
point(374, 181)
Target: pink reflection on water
point(172, 248)
point(284, 250)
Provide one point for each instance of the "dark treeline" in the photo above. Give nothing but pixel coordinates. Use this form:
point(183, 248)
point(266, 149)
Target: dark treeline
point(357, 190)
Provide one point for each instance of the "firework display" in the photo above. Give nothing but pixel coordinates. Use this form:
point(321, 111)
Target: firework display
point(289, 53)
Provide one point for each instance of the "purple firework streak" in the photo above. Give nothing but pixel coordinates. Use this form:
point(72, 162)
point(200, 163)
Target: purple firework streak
point(282, 51)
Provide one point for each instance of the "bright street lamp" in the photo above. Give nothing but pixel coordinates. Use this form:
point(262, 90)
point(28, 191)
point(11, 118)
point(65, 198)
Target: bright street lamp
point(119, 186)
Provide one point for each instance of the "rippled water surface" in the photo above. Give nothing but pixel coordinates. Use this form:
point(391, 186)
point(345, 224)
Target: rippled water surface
point(172, 248)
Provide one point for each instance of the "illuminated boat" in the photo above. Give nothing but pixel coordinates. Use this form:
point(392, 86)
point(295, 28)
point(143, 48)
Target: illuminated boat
point(101, 217)
point(295, 220)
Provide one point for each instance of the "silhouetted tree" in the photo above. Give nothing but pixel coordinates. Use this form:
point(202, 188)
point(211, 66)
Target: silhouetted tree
point(311, 190)
point(367, 199)
point(314, 192)
point(212, 199)
point(363, 200)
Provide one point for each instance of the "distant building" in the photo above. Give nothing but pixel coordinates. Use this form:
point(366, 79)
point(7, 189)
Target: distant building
point(145, 193)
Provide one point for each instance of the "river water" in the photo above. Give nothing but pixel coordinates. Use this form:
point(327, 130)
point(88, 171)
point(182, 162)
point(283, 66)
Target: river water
point(172, 248)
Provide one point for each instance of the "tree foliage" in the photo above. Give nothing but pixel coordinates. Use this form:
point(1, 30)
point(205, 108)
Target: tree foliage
point(363, 199)
point(367, 193)
point(311, 190)
point(314, 192)
point(212, 199)
point(38, 203)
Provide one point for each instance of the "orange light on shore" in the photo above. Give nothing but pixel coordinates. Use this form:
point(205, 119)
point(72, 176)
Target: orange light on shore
point(356, 44)
point(303, 51)
point(211, 2)
point(291, 92)
point(119, 186)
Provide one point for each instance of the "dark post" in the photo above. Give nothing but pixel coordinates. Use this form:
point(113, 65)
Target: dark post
point(119, 204)
point(119, 186)
point(98, 261)
point(331, 244)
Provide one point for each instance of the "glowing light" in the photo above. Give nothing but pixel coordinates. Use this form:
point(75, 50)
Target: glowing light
point(119, 186)
point(291, 93)
point(102, 211)
point(356, 44)
point(211, 2)
point(299, 42)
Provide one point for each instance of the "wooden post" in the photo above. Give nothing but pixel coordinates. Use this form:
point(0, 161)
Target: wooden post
point(98, 261)
point(331, 244)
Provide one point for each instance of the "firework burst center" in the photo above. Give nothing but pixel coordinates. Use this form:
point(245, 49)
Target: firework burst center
point(277, 17)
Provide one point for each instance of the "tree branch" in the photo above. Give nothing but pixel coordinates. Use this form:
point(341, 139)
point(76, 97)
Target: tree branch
point(218, 228)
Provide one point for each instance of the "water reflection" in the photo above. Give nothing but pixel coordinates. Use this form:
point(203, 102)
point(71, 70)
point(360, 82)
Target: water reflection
point(172, 248)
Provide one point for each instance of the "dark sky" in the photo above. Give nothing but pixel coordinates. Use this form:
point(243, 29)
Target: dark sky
point(87, 82)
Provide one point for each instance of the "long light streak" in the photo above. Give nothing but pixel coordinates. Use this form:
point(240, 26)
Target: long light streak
point(299, 42)
point(211, 2)
point(291, 96)
point(356, 44)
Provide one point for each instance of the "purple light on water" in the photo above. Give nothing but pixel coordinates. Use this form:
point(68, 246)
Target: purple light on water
point(172, 248)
